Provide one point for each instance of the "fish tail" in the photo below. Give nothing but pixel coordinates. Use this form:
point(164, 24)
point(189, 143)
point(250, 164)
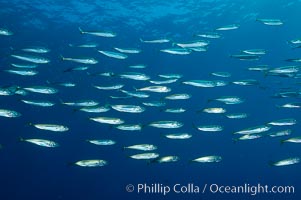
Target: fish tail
point(62, 57)
point(141, 40)
point(21, 139)
point(81, 30)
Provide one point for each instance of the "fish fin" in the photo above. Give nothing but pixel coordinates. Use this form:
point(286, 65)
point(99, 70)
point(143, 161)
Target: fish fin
point(141, 40)
point(235, 140)
point(70, 45)
point(70, 164)
point(271, 163)
point(194, 126)
point(21, 139)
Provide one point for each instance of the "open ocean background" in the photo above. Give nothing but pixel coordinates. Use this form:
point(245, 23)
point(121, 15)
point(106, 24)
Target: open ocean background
point(32, 172)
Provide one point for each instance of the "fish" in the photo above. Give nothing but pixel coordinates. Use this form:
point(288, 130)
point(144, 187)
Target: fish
point(107, 120)
point(51, 127)
point(255, 51)
point(280, 133)
point(166, 124)
point(293, 60)
point(228, 27)
point(87, 45)
point(175, 110)
point(78, 68)
point(137, 66)
point(246, 82)
point(154, 103)
point(23, 72)
point(41, 89)
point(136, 94)
point(208, 159)
point(108, 34)
point(128, 108)
point(214, 110)
point(91, 163)
point(155, 41)
point(102, 142)
point(82, 103)
point(41, 50)
point(270, 22)
point(128, 50)
point(145, 156)
point(129, 127)
point(229, 100)
point(284, 70)
point(32, 59)
point(168, 81)
point(178, 136)
point(95, 109)
point(158, 89)
point(193, 44)
point(210, 128)
point(134, 76)
point(261, 68)
point(245, 56)
point(292, 140)
point(112, 54)
point(285, 162)
point(253, 130)
point(142, 147)
point(88, 61)
point(24, 66)
point(5, 32)
point(176, 51)
point(290, 105)
point(41, 142)
point(9, 113)
point(181, 96)
point(283, 122)
point(166, 159)
point(200, 83)
point(168, 76)
point(38, 103)
point(109, 87)
point(210, 35)
point(249, 137)
point(237, 115)
point(221, 74)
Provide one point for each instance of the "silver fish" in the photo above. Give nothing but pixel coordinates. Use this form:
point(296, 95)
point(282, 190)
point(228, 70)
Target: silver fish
point(9, 113)
point(38, 103)
point(98, 33)
point(178, 136)
point(128, 108)
point(107, 120)
point(102, 142)
point(51, 127)
point(166, 124)
point(112, 54)
point(145, 156)
point(208, 159)
point(33, 59)
point(88, 61)
point(91, 163)
point(142, 147)
point(285, 162)
point(41, 142)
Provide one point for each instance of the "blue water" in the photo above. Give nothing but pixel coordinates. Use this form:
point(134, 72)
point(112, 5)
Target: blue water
point(33, 172)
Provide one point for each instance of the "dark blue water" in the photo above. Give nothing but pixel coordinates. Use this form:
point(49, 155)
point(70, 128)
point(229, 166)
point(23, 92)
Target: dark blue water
point(33, 172)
